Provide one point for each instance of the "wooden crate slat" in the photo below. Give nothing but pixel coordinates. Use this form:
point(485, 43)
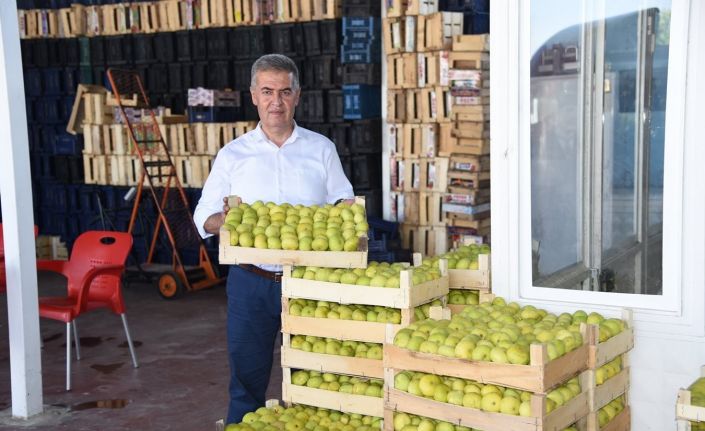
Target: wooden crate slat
point(369, 332)
point(338, 401)
point(536, 377)
point(471, 278)
point(621, 422)
point(293, 358)
point(604, 352)
point(609, 390)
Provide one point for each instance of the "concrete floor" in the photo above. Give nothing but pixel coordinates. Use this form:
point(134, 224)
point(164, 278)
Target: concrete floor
point(181, 382)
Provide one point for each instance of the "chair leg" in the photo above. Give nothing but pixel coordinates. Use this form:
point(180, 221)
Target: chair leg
point(129, 340)
point(68, 356)
point(76, 340)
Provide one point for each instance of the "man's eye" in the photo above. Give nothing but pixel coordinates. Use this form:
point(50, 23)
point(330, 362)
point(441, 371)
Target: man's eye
point(286, 93)
point(267, 92)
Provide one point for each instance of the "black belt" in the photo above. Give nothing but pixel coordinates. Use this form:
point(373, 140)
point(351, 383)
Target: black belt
point(269, 275)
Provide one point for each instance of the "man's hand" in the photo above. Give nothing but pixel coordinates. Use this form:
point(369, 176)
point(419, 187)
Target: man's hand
point(215, 221)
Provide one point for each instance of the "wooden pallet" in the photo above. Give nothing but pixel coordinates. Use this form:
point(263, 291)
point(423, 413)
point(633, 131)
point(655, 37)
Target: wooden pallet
point(407, 295)
point(602, 353)
point(349, 403)
point(558, 419)
point(686, 412)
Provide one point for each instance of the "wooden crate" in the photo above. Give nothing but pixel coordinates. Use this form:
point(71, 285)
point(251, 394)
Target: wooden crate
point(349, 403)
point(558, 419)
point(436, 105)
point(289, 11)
point(93, 139)
point(410, 209)
point(173, 15)
point(73, 20)
point(396, 106)
point(411, 7)
point(322, 9)
point(395, 71)
point(116, 19)
point(369, 332)
point(472, 129)
point(122, 169)
point(428, 240)
point(458, 308)
point(332, 259)
point(471, 42)
point(96, 110)
point(686, 412)
point(238, 12)
point(116, 140)
point(614, 387)
point(211, 14)
point(539, 376)
point(419, 140)
point(601, 353)
point(181, 139)
point(414, 106)
point(469, 60)
point(470, 146)
point(399, 35)
point(434, 174)
point(412, 175)
point(396, 173)
point(395, 134)
point(433, 69)
point(469, 163)
point(431, 209)
point(293, 358)
point(463, 181)
point(435, 32)
point(149, 17)
point(94, 20)
point(407, 295)
point(473, 279)
point(95, 169)
point(621, 422)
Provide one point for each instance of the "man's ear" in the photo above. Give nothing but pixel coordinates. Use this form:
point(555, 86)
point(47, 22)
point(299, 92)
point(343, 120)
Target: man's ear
point(252, 96)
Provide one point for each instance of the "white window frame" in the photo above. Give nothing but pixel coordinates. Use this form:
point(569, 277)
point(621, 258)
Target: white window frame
point(680, 309)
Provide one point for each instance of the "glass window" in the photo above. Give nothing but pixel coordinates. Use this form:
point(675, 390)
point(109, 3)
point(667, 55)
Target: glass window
point(597, 100)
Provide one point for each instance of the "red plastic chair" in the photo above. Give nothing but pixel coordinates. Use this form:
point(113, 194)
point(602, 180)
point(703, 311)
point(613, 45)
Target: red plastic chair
point(3, 281)
point(94, 273)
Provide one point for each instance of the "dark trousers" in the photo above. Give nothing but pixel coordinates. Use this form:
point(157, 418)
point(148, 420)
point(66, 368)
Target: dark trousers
point(254, 308)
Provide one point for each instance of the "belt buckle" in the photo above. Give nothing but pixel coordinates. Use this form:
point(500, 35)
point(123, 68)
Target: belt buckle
point(277, 277)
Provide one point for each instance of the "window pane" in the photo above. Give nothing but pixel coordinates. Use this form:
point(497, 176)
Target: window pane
point(597, 143)
point(556, 128)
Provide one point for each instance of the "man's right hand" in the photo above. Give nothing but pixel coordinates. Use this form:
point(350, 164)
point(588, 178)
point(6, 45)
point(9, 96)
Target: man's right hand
point(215, 221)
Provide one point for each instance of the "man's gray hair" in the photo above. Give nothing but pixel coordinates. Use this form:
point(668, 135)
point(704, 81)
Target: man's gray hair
point(276, 62)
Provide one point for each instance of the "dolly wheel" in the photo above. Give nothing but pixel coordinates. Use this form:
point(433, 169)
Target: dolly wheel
point(170, 285)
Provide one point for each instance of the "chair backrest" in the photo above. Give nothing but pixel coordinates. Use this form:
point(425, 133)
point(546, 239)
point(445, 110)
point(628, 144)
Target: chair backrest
point(95, 248)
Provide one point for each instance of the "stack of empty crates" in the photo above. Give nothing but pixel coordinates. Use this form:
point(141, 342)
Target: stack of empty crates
point(417, 40)
point(360, 52)
point(467, 203)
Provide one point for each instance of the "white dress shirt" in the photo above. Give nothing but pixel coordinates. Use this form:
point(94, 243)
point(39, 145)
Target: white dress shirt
point(304, 170)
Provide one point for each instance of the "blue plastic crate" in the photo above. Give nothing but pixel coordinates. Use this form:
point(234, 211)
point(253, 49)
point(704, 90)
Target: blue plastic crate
point(361, 27)
point(377, 245)
point(33, 82)
point(66, 106)
point(464, 6)
point(29, 108)
point(48, 110)
point(67, 144)
point(52, 196)
point(362, 44)
point(70, 78)
point(87, 198)
point(361, 101)
point(41, 166)
point(211, 114)
point(370, 54)
point(476, 23)
point(52, 80)
point(383, 228)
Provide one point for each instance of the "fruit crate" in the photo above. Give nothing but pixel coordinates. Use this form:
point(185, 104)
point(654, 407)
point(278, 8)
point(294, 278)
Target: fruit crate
point(234, 255)
point(474, 279)
point(612, 388)
point(327, 363)
point(408, 295)
point(602, 352)
point(539, 376)
point(369, 332)
point(686, 412)
point(344, 402)
point(458, 308)
point(558, 419)
point(620, 422)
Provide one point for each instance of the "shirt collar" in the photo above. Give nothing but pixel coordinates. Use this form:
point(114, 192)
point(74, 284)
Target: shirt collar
point(261, 136)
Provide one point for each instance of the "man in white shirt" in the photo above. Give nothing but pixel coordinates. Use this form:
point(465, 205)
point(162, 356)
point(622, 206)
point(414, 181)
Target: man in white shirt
point(278, 162)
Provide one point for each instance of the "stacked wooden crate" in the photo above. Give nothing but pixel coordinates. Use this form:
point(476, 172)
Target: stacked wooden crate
point(110, 159)
point(467, 204)
point(608, 375)
point(690, 411)
point(417, 40)
point(339, 332)
point(168, 15)
point(541, 377)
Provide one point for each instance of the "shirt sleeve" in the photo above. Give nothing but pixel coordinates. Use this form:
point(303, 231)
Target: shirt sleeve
point(337, 185)
point(217, 187)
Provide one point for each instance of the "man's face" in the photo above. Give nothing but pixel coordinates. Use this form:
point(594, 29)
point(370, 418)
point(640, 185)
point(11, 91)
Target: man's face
point(275, 98)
